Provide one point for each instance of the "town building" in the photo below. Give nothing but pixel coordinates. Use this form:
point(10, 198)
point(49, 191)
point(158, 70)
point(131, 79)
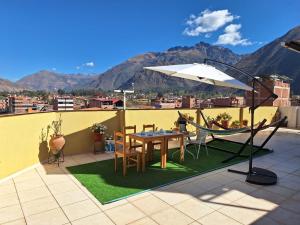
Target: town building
point(188, 101)
point(105, 103)
point(20, 104)
point(233, 101)
point(63, 103)
point(4, 105)
point(165, 103)
point(276, 83)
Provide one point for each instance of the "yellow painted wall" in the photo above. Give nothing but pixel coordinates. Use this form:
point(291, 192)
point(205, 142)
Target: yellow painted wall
point(214, 112)
point(76, 128)
point(162, 118)
point(263, 112)
point(24, 138)
point(21, 143)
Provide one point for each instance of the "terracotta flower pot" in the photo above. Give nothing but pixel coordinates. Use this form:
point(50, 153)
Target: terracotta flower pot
point(56, 144)
point(245, 123)
point(97, 137)
point(225, 123)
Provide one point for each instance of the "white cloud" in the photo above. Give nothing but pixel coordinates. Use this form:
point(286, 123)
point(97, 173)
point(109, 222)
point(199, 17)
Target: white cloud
point(232, 36)
point(208, 21)
point(87, 64)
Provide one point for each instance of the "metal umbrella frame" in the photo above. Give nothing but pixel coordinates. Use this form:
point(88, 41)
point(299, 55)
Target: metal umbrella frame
point(254, 174)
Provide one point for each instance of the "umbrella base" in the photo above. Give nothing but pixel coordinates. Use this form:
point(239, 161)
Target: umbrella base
point(258, 176)
point(261, 177)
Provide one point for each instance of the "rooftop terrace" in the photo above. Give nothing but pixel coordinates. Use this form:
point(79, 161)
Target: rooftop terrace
point(39, 193)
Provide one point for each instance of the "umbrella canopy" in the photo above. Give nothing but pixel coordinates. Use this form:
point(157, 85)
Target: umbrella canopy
point(293, 45)
point(201, 73)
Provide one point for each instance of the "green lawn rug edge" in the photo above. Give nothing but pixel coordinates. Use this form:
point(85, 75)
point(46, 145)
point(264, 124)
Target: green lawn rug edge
point(107, 186)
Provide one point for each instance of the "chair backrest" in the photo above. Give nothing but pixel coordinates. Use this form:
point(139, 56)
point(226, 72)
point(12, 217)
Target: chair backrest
point(129, 130)
point(149, 127)
point(202, 136)
point(120, 142)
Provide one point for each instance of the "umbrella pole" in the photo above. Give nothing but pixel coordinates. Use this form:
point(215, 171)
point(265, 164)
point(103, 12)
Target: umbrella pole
point(255, 175)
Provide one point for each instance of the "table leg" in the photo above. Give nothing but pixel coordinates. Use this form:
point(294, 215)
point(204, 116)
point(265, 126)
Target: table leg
point(165, 152)
point(150, 148)
point(143, 158)
point(162, 149)
point(182, 148)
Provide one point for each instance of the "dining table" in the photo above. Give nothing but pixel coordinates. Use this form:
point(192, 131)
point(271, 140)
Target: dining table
point(147, 139)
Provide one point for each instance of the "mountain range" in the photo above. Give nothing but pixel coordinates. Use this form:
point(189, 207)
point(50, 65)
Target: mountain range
point(269, 59)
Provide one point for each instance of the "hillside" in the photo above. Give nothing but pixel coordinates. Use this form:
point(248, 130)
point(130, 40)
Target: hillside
point(50, 81)
point(273, 58)
point(8, 86)
point(131, 71)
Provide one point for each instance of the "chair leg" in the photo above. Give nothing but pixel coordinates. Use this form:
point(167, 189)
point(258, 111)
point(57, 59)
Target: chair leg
point(199, 148)
point(124, 166)
point(138, 162)
point(116, 162)
point(206, 149)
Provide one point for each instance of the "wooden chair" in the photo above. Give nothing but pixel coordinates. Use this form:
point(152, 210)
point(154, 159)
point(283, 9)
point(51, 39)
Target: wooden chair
point(127, 154)
point(151, 127)
point(131, 130)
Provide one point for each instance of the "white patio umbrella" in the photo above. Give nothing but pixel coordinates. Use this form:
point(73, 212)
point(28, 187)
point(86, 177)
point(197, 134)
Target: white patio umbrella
point(202, 73)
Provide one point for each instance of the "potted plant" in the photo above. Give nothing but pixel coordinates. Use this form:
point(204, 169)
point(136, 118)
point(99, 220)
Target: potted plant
point(235, 124)
point(98, 130)
point(225, 118)
point(245, 123)
point(57, 140)
point(210, 121)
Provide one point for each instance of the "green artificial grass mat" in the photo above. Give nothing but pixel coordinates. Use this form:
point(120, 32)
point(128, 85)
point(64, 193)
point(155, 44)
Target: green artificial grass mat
point(107, 186)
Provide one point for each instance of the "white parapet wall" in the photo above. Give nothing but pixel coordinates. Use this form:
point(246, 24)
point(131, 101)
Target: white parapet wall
point(293, 115)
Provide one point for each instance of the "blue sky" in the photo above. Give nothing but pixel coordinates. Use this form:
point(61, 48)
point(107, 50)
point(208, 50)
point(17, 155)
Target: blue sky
point(87, 36)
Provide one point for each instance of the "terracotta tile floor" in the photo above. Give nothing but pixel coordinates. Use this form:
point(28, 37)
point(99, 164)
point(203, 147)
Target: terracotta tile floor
point(47, 194)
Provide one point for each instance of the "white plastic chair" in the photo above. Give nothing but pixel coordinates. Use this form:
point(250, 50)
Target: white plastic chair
point(200, 140)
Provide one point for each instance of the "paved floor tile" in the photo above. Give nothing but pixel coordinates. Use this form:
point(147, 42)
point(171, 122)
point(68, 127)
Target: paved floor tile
point(28, 175)
point(214, 201)
point(124, 214)
point(39, 205)
point(80, 209)
point(29, 184)
point(51, 217)
point(138, 196)
point(63, 187)
point(244, 215)
point(96, 219)
point(8, 200)
point(70, 197)
point(7, 189)
point(194, 208)
point(150, 204)
point(33, 194)
point(171, 197)
point(144, 221)
point(217, 218)
point(171, 216)
point(284, 216)
point(16, 222)
point(10, 213)
point(292, 205)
